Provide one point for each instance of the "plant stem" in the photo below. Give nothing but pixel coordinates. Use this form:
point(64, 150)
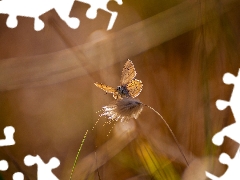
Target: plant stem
point(75, 162)
point(175, 139)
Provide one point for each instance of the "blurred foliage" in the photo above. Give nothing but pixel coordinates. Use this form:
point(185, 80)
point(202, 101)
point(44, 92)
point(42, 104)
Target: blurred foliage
point(158, 167)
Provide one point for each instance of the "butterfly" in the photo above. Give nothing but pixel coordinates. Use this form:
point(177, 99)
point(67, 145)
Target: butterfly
point(129, 87)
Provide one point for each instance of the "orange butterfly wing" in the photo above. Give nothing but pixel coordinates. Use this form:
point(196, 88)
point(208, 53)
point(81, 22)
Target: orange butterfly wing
point(128, 73)
point(134, 87)
point(107, 89)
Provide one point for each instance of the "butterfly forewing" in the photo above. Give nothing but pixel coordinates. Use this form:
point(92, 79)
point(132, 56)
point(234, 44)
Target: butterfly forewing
point(134, 87)
point(128, 73)
point(106, 88)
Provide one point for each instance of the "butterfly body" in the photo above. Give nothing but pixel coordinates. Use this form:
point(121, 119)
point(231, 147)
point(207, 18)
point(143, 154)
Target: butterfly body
point(123, 91)
point(129, 87)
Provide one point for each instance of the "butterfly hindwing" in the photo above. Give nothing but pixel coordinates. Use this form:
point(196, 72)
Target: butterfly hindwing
point(134, 87)
point(116, 95)
point(128, 73)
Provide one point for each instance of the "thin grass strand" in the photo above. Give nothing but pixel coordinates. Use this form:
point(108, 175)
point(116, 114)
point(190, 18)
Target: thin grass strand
point(75, 162)
point(174, 137)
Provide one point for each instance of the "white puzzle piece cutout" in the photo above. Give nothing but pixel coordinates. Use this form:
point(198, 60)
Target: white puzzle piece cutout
point(36, 8)
point(234, 99)
point(18, 176)
point(3, 165)
point(101, 4)
point(44, 170)
point(233, 172)
point(232, 131)
point(8, 132)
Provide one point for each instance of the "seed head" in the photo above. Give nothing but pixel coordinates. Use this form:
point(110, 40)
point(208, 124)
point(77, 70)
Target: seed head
point(123, 109)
